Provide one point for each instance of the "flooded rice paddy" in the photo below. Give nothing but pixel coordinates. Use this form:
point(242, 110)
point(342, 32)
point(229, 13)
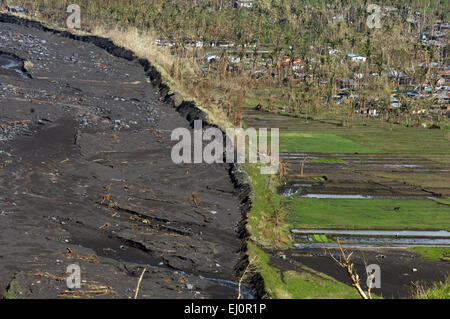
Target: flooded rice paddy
point(370, 238)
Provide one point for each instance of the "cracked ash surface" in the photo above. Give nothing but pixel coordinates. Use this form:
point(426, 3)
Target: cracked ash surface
point(86, 177)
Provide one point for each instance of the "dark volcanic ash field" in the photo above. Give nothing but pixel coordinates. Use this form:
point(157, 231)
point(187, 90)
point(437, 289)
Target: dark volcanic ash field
point(86, 178)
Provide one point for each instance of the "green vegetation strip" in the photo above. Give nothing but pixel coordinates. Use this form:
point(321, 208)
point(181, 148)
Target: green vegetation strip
point(307, 284)
point(13, 291)
point(432, 253)
point(317, 142)
point(325, 160)
point(440, 290)
point(368, 213)
point(266, 220)
point(315, 136)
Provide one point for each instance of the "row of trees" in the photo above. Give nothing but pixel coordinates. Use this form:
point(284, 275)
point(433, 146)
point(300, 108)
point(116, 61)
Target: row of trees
point(282, 27)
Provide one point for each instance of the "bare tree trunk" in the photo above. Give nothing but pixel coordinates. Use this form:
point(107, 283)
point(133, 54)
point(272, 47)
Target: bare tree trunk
point(348, 266)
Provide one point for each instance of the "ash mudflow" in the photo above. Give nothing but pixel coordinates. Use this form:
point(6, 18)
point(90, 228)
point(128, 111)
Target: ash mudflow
point(86, 178)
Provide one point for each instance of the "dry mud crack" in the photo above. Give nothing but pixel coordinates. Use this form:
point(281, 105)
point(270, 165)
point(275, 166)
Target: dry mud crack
point(86, 178)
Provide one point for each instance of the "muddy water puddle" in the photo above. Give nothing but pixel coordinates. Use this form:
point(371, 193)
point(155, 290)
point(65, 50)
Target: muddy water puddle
point(397, 233)
point(359, 245)
point(337, 196)
point(10, 63)
point(322, 190)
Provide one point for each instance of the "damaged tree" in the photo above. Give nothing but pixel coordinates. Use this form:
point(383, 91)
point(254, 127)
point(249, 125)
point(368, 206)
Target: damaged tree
point(353, 275)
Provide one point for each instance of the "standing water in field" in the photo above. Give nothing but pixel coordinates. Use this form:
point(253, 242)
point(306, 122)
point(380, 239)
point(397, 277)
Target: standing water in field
point(370, 238)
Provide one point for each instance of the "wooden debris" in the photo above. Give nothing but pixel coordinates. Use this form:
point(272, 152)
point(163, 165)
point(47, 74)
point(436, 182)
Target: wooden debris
point(88, 290)
point(105, 198)
point(139, 283)
point(195, 198)
point(126, 188)
point(114, 205)
point(105, 226)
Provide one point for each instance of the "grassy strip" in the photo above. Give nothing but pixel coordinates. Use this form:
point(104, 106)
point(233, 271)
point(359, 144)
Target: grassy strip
point(368, 213)
point(420, 179)
point(308, 284)
point(326, 160)
point(445, 201)
point(401, 140)
point(13, 291)
point(408, 141)
point(440, 290)
point(317, 142)
point(432, 253)
point(372, 136)
point(267, 218)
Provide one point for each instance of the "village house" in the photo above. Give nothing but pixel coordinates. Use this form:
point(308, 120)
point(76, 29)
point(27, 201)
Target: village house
point(211, 58)
point(244, 3)
point(370, 108)
point(356, 57)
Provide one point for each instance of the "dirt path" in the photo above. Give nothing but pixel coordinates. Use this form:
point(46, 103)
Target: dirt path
point(86, 177)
